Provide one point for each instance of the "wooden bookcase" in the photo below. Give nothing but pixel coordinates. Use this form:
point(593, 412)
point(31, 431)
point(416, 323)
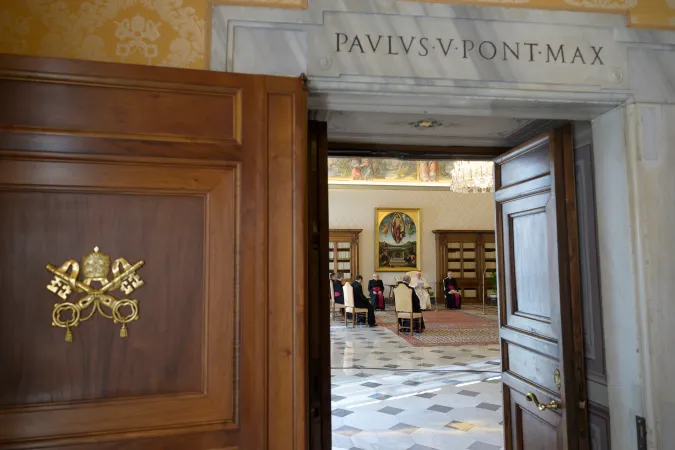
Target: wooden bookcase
point(343, 252)
point(469, 254)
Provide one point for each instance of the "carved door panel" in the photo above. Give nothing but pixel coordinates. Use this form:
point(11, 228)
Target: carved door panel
point(202, 176)
point(541, 326)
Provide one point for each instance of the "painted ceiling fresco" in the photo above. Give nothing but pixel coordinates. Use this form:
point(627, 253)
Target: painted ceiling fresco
point(388, 172)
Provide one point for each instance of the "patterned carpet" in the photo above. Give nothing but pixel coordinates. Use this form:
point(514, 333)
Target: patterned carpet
point(477, 310)
point(446, 328)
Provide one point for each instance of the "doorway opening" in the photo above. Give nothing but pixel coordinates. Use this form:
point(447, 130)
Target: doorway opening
point(422, 216)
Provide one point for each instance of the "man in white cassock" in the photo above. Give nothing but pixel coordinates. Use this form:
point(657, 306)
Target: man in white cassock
point(420, 284)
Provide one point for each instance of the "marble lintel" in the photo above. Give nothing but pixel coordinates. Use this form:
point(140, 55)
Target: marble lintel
point(639, 64)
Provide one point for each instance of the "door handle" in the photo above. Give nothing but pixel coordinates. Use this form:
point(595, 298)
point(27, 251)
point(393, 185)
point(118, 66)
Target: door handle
point(530, 397)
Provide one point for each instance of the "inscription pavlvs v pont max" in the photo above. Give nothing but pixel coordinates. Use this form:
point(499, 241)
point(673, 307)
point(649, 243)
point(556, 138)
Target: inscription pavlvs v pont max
point(468, 49)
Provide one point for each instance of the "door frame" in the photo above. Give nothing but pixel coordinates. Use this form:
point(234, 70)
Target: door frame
point(321, 334)
point(626, 119)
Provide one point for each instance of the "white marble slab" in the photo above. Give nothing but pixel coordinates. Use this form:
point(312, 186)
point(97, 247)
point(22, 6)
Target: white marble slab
point(256, 50)
point(465, 49)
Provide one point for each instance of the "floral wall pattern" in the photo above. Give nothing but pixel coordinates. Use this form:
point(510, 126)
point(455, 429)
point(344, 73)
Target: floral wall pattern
point(154, 32)
point(175, 32)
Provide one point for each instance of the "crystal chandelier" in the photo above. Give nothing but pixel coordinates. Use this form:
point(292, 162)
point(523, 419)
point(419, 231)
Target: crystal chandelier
point(472, 176)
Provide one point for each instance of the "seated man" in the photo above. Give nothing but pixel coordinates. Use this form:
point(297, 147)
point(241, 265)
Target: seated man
point(376, 291)
point(420, 284)
point(453, 299)
point(360, 300)
point(337, 288)
point(415, 304)
point(332, 280)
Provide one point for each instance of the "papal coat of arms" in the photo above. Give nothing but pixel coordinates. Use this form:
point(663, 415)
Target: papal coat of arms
point(96, 269)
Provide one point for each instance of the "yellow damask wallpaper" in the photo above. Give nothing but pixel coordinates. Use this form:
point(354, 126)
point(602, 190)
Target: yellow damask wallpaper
point(155, 32)
point(175, 32)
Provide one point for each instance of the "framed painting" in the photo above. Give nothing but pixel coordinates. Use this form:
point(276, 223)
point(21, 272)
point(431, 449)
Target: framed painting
point(397, 239)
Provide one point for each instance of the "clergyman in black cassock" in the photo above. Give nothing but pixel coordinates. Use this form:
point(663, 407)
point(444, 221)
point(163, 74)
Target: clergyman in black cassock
point(376, 291)
point(453, 299)
point(337, 289)
point(360, 300)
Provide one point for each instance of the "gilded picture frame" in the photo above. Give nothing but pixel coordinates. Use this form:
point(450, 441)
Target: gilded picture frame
point(398, 243)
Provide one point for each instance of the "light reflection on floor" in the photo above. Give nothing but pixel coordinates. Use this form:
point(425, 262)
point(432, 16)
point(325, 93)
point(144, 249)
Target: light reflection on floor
point(389, 395)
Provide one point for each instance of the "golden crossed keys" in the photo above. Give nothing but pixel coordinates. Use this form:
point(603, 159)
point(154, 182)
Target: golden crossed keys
point(96, 267)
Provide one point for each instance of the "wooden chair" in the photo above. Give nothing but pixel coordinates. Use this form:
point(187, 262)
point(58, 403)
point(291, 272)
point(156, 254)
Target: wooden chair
point(333, 305)
point(349, 305)
point(404, 307)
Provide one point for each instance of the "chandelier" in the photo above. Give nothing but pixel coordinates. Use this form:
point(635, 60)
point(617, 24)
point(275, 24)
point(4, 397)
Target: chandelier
point(471, 177)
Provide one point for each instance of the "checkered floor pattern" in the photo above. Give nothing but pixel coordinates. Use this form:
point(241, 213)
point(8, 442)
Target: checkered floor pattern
point(389, 395)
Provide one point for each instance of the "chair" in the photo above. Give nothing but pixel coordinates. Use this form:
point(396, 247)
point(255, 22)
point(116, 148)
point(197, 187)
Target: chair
point(404, 307)
point(349, 305)
point(334, 306)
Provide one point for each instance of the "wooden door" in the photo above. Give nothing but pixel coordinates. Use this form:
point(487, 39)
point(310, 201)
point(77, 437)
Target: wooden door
point(541, 327)
point(202, 176)
point(318, 305)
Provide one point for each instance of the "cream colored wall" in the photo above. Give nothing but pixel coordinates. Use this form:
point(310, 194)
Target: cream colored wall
point(355, 208)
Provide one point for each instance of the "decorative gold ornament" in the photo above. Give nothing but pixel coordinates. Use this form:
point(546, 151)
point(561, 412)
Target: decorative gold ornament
point(96, 267)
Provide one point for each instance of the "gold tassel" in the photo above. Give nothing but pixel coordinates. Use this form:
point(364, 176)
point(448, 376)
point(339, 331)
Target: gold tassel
point(123, 331)
point(69, 335)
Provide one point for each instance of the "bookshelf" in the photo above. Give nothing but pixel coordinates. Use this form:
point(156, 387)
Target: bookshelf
point(467, 253)
point(343, 252)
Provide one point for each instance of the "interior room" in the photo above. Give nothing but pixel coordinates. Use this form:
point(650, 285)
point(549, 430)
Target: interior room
point(436, 386)
point(201, 190)
point(439, 387)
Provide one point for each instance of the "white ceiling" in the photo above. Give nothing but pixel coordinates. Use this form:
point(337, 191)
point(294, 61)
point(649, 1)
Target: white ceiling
point(446, 130)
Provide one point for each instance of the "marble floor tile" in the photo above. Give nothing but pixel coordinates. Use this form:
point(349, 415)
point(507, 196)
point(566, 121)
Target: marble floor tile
point(468, 393)
point(346, 430)
point(388, 395)
point(336, 422)
point(404, 428)
point(341, 442)
point(372, 421)
point(483, 446)
point(391, 411)
point(461, 426)
point(446, 439)
point(490, 406)
point(440, 408)
point(421, 447)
